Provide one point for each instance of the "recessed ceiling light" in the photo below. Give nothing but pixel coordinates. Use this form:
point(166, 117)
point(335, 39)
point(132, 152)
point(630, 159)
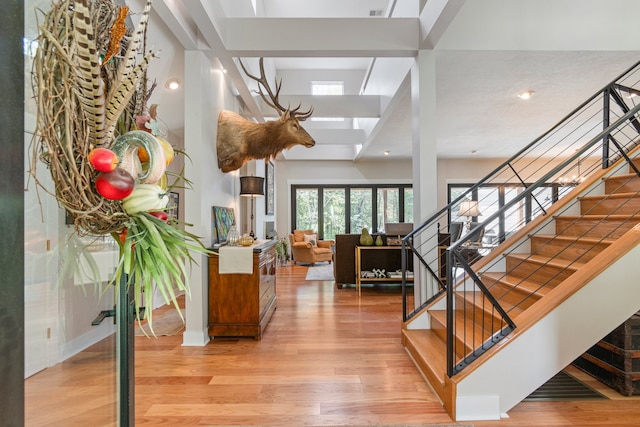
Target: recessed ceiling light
point(172, 84)
point(525, 94)
point(387, 152)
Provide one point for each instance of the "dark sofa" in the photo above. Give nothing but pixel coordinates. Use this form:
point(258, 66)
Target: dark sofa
point(344, 263)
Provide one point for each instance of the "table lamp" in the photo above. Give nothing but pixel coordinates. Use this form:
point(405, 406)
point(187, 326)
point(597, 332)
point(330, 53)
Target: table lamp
point(251, 186)
point(469, 208)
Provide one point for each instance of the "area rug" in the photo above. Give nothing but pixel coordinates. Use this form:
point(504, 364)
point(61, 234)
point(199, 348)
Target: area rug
point(418, 425)
point(320, 272)
point(167, 324)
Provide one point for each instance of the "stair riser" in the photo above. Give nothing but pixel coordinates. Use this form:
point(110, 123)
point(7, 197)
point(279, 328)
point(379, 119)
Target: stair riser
point(536, 272)
point(565, 250)
point(622, 184)
point(609, 229)
point(441, 330)
point(615, 206)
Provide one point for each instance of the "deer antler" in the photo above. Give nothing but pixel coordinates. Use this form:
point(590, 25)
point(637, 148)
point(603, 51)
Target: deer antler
point(273, 101)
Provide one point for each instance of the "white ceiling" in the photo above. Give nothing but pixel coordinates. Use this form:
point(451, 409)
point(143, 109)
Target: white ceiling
point(486, 51)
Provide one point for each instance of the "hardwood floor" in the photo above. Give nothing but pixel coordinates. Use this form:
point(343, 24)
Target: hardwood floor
point(327, 358)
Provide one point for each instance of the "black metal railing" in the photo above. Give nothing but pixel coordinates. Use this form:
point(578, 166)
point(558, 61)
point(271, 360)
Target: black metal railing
point(479, 312)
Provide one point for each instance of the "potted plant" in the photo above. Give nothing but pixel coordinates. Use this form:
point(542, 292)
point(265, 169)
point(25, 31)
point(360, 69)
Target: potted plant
point(282, 251)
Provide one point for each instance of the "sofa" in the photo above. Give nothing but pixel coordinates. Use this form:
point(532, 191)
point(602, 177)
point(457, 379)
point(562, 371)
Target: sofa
point(344, 266)
point(309, 251)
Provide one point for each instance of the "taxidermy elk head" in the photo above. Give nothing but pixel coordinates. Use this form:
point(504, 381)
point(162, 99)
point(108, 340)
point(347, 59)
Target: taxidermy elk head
point(240, 140)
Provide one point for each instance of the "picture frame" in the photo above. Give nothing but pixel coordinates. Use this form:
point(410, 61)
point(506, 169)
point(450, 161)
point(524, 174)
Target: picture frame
point(269, 177)
point(174, 205)
point(222, 219)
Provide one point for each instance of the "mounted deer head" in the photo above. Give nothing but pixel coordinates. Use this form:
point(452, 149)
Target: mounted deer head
point(240, 140)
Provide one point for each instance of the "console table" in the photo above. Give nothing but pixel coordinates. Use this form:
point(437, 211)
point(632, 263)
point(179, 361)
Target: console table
point(242, 304)
point(386, 257)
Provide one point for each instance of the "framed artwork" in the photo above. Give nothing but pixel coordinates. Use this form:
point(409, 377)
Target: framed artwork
point(269, 185)
point(222, 219)
point(174, 205)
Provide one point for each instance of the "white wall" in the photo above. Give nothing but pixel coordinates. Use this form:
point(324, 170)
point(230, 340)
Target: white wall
point(207, 93)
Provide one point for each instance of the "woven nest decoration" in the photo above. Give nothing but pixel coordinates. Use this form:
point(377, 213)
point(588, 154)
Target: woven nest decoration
point(89, 79)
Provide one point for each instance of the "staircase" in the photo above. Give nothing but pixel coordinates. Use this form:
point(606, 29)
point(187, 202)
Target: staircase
point(494, 331)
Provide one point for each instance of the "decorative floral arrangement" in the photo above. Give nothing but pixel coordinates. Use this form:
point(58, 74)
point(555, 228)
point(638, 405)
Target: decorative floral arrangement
point(103, 146)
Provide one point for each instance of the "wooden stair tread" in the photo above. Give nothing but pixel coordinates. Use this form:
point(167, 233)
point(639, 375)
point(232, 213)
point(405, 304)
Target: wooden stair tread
point(598, 217)
point(628, 195)
point(526, 292)
point(556, 262)
point(571, 239)
point(622, 176)
point(528, 286)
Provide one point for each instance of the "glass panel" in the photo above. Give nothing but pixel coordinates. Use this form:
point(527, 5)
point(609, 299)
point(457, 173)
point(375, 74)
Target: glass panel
point(306, 209)
point(408, 205)
point(454, 193)
point(361, 205)
point(488, 204)
point(515, 216)
point(334, 215)
point(563, 191)
point(70, 364)
point(388, 206)
point(541, 200)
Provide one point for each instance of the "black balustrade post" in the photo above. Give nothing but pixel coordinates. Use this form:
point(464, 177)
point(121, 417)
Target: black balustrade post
point(125, 313)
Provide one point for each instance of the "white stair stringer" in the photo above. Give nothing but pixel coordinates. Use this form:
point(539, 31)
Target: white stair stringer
point(539, 351)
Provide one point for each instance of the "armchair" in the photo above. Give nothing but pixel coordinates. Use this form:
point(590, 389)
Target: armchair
point(303, 249)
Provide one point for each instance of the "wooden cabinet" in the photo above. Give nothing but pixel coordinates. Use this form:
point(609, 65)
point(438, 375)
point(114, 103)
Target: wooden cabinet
point(380, 257)
point(241, 305)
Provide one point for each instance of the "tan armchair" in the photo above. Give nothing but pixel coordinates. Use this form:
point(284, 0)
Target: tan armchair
point(303, 250)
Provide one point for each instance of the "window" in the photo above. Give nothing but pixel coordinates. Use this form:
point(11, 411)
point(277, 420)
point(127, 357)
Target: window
point(388, 206)
point(361, 209)
point(340, 209)
point(492, 197)
point(334, 208)
point(307, 209)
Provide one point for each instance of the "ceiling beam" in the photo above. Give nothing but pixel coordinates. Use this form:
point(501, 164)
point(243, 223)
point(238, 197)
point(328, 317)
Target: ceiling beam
point(395, 103)
point(182, 27)
point(323, 152)
point(435, 19)
point(298, 37)
point(329, 105)
point(204, 16)
point(337, 136)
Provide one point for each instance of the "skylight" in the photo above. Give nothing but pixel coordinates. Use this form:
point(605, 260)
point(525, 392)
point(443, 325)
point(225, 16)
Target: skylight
point(327, 88)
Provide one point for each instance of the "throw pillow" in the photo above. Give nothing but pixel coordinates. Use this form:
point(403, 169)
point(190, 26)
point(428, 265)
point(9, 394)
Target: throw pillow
point(311, 238)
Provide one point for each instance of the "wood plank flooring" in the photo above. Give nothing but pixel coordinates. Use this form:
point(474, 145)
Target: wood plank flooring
point(327, 358)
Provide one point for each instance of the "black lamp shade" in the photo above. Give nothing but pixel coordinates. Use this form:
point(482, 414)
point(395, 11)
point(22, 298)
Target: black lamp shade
point(251, 186)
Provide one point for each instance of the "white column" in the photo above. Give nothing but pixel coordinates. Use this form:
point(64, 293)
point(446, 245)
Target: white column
point(197, 92)
point(424, 123)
